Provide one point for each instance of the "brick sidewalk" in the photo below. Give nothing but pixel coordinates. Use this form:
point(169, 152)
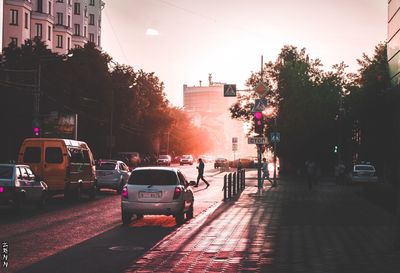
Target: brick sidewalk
point(286, 229)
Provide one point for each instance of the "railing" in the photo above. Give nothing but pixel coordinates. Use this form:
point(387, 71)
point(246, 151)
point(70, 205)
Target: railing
point(234, 183)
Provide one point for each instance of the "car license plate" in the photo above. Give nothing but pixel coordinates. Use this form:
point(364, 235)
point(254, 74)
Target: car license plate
point(150, 194)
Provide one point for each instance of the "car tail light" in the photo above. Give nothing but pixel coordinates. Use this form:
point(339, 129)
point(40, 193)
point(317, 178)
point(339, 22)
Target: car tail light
point(177, 193)
point(1, 189)
point(124, 193)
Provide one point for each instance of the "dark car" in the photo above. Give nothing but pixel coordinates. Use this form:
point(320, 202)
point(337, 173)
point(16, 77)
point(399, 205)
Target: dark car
point(221, 162)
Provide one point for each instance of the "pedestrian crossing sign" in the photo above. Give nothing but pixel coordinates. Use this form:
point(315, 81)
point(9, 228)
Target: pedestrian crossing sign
point(229, 90)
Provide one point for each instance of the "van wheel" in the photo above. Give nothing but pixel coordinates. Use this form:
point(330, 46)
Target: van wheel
point(126, 217)
point(92, 192)
point(42, 201)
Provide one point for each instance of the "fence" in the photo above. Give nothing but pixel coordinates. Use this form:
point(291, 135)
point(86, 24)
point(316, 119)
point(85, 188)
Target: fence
point(234, 183)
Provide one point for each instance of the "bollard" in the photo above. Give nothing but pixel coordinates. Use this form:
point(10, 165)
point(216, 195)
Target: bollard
point(234, 183)
point(238, 184)
point(244, 179)
point(225, 187)
point(230, 185)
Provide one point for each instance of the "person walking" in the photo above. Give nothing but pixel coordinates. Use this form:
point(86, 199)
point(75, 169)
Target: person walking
point(265, 172)
point(311, 169)
point(239, 165)
point(200, 169)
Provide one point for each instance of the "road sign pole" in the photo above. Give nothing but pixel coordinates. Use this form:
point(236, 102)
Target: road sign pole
point(259, 167)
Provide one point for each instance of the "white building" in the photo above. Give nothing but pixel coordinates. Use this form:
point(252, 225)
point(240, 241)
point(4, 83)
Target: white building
point(61, 24)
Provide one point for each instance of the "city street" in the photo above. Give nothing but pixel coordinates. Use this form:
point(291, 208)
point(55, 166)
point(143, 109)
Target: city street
point(88, 236)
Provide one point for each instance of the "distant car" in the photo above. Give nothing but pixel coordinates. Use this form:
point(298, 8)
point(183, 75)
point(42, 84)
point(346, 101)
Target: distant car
point(363, 173)
point(247, 162)
point(18, 184)
point(112, 174)
point(164, 160)
point(221, 162)
point(157, 191)
point(186, 159)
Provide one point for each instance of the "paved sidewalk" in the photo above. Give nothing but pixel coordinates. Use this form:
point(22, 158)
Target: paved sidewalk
point(285, 229)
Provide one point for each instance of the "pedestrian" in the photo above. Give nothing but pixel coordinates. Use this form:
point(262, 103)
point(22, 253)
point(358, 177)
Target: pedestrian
point(200, 169)
point(311, 170)
point(239, 166)
point(265, 172)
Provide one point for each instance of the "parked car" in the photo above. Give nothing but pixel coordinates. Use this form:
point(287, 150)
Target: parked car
point(67, 166)
point(164, 160)
point(221, 162)
point(363, 173)
point(157, 191)
point(18, 184)
point(186, 159)
point(112, 174)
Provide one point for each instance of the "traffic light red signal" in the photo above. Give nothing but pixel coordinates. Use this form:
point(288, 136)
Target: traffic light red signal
point(258, 123)
point(36, 131)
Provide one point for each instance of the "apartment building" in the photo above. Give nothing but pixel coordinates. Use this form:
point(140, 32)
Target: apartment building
point(61, 24)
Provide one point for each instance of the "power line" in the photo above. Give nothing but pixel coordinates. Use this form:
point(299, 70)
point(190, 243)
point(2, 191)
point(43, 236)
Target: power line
point(116, 37)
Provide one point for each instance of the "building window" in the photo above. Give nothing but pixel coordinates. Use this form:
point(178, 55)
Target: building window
point(49, 33)
point(14, 41)
point(49, 8)
point(14, 17)
point(91, 3)
point(40, 6)
point(68, 43)
point(26, 20)
point(77, 29)
point(91, 37)
point(84, 31)
point(59, 41)
point(60, 1)
point(69, 2)
point(60, 18)
point(91, 19)
point(85, 11)
point(39, 31)
point(69, 21)
point(77, 8)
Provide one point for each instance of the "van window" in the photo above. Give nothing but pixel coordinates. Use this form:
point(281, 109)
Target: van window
point(153, 177)
point(53, 155)
point(86, 157)
point(32, 155)
point(76, 155)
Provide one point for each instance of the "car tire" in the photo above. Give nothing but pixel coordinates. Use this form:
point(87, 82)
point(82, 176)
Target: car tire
point(189, 213)
point(92, 192)
point(126, 217)
point(41, 203)
point(179, 218)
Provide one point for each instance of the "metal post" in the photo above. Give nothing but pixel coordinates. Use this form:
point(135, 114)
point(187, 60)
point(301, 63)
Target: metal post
point(275, 143)
point(243, 179)
point(259, 167)
point(225, 186)
point(230, 185)
point(238, 179)
point(168, 143)
point(234, 183)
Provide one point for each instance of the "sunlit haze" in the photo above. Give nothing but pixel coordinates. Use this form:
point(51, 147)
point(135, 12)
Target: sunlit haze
point(184, 40)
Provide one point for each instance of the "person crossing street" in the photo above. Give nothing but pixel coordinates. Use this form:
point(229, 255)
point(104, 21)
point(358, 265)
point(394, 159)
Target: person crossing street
point(200, 169)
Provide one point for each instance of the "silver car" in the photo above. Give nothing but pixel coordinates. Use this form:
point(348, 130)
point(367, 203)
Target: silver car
point(112, 174)
point(363, 173)
point(18, 184)
point(157, 191)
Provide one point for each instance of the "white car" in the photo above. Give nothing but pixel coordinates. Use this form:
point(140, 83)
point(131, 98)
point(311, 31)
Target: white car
point(157, 191)
point(164, 160)
point(18, 184)
point(363, 173)
point(112, 174)
point(186, 159)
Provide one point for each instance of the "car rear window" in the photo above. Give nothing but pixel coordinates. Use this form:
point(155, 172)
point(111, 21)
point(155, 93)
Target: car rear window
point(153, 177)
point(6, 172)
point(105, 166)
point(32, 155)
point(364, 168)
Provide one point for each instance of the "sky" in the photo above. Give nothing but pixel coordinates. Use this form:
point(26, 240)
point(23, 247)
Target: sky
point(182, 41)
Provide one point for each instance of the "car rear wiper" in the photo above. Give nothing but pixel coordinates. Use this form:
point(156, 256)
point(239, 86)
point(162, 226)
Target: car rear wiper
point(150, 186)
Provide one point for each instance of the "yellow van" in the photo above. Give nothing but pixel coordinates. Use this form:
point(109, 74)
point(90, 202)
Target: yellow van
point(67, 166)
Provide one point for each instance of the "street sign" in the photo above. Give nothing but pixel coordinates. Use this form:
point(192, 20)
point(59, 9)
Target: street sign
point(257, 140)
point(259, 106)
point(229, 90)
point(261, 89)
point(275, 137)
point(234, 140)
point(234, 147)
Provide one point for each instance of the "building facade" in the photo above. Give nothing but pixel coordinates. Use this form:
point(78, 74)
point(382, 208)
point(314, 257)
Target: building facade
point(61, 24)
point(393, 41)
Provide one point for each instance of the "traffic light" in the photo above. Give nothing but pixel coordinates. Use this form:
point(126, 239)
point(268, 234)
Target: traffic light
point(258, 123)
point(36, 131)
point(335, 149)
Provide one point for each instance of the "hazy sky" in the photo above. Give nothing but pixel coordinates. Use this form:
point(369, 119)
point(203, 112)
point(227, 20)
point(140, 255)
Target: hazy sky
point(184, 40)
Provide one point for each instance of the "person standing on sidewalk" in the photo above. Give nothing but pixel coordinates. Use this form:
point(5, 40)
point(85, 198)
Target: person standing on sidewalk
point(200, 169)
point(311, 170)
point(265, 172)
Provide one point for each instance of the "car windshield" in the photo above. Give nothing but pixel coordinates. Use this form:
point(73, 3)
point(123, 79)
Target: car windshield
point(6, 172)
point(153, 177)
point(163, 157)
point(364, 168)
point(186, 157)
point(106, 166)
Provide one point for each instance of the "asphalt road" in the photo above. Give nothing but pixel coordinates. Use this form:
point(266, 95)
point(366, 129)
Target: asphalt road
point(88, 236)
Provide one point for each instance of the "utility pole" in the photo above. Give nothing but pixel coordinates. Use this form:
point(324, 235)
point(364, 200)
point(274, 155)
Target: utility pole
point(111, 123)
point(275, 145)
point(259, 178)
